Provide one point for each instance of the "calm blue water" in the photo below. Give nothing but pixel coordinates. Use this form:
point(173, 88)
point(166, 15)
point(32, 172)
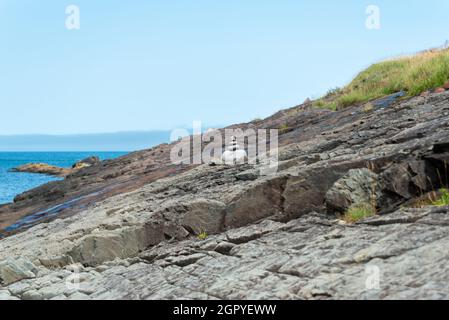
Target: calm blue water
point(12, 183)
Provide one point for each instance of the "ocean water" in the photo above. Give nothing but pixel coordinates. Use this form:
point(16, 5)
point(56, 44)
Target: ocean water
point(14, 183)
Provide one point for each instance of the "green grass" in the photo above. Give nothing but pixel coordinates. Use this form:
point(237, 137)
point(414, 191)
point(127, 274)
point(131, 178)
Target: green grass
point(284, 128)
point(443, 199)
point(414, 75)
point(202, 236)
point(321, 104)
point(358, 212)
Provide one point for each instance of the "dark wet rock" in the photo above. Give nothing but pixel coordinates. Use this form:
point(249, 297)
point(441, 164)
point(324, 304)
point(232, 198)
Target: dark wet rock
point(388, 100)
point(249, 175)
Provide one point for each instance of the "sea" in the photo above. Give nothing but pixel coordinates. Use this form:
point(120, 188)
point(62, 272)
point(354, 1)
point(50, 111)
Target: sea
point(14, 183)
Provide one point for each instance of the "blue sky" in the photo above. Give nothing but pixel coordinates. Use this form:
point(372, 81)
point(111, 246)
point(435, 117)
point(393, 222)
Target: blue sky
point(156, 65)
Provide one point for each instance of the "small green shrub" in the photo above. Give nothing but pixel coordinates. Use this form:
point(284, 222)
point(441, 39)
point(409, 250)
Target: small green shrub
point(358, 212)
point(351, 99)
point(203, 235)
point(321, 104)
point(284, 128)
point(443, 199)
point(333, 92)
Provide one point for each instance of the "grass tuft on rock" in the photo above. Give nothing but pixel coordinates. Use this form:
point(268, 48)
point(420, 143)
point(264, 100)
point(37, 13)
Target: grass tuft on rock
point(284, 128)
point(202, 236)
point(359, 212)
point(443, 199)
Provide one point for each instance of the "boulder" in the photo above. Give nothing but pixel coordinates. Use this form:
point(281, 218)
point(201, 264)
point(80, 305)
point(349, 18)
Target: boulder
point(249, 175)
point(306, 192)
point(90, 161)
point(95, 249)
point(204, 216)
point(42, 168)
point(358, 186)
point(13, 270)
point(253, 204)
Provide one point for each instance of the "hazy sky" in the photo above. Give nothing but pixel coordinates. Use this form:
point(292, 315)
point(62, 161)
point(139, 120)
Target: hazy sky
point(146, 65)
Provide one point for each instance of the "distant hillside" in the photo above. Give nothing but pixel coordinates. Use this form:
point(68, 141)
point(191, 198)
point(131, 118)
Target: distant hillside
point(120, 141)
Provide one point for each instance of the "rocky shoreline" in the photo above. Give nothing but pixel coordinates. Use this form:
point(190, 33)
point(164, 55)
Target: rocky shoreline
point(268, 237)
point(44, 168)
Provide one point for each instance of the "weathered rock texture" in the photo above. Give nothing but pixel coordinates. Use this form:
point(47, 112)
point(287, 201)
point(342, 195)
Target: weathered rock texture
point(276, 236)
point(43, 168)
point(359, 186)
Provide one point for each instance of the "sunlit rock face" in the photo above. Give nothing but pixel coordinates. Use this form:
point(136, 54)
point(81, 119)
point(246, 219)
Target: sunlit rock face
point(234, 154)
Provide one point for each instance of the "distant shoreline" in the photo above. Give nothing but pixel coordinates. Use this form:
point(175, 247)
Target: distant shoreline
point(100, 142)
point(14, 183)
